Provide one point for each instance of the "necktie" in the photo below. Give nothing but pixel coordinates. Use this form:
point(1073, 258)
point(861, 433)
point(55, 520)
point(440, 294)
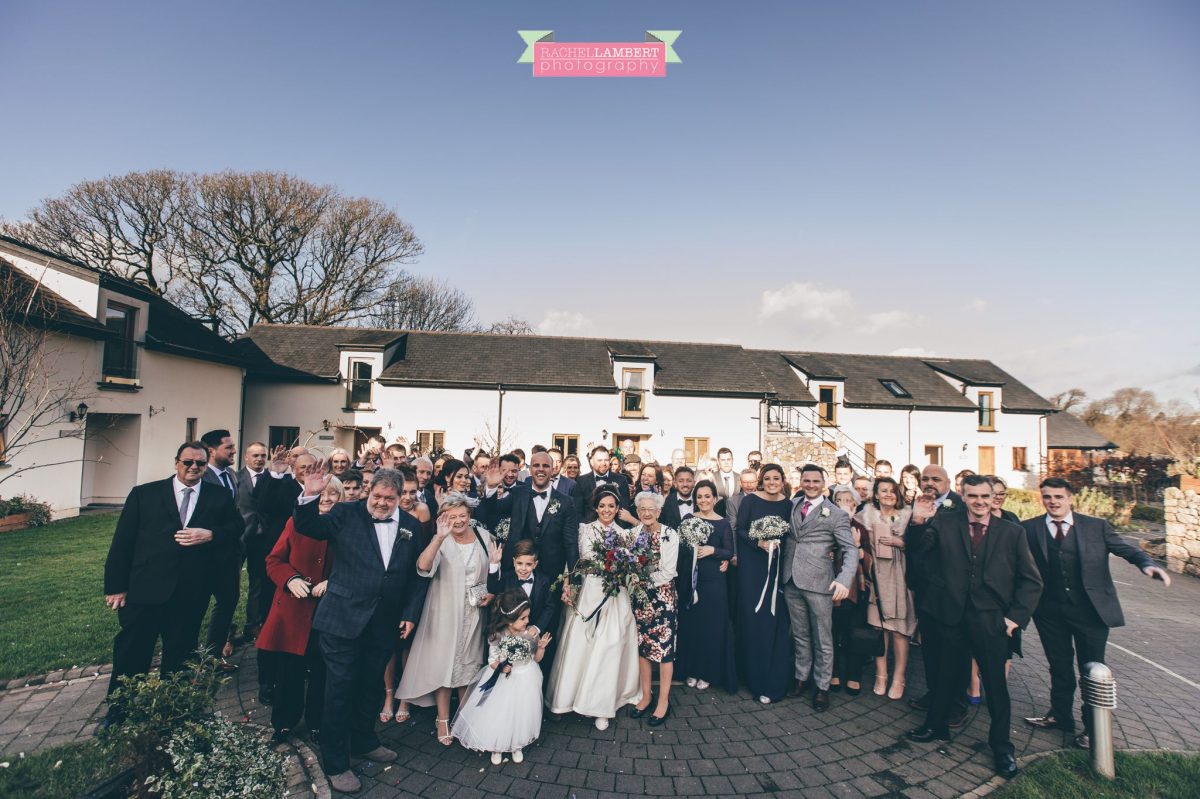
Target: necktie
point(804, 509)
point(977, 531)
point(254, 480)
point(728, 485)
point(228, 483)
point(540, 494)
point(1060, 533)
point(183, 506)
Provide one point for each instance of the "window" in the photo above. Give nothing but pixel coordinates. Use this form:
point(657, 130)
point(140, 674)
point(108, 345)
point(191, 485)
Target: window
point(869, 454)
point(120, 352)
point(189, 430)
point(694, 449)
point(358, 388)
point(567, 443)
point(894, 387)
point(827, 406)
point(633, 392)
point(282, 437)
point(987, 411)
point(1020, 464)
point(987, 460)
point(933, 454)
point(430, 441)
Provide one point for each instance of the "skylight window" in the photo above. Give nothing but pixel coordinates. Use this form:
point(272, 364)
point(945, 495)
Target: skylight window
point(895, 388)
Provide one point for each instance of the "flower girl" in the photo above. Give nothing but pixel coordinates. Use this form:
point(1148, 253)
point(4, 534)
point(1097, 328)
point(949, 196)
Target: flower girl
point(503, 712)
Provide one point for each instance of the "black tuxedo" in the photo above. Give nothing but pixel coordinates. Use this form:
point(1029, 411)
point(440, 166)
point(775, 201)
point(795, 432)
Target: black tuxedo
point(542, 610)
point(226, 576)
point(585, 486)
point(166, 585)
point(359, 617)
point(556, 535)
point(671, 516)
point(971, 591)
point(1079, 603)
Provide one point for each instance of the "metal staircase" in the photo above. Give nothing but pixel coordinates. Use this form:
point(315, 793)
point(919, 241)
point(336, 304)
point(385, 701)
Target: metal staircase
point(803, 421)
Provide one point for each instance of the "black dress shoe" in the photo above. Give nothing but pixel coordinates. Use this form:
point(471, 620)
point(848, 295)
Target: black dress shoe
point(799, 688)
point(924, 735)
point(958, 717)
point(821, 701)
point(919, 703)
point(636, 713)
point(1006, 766)
point(1083, 741)
point(835, 687)
point(280, 736)
point(658, 721)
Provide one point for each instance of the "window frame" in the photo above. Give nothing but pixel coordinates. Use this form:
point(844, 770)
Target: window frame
point(355, 383)
point(127, 371)
point(870, 455)
point(436, 438)
point(280, 439)
point(626, 391)
point(899, 392)
point(829, 420)
point(1020, 463)
point(566, 443)
point(191, 426)
point(939, 453)
point(691, 452)
point(990, 410)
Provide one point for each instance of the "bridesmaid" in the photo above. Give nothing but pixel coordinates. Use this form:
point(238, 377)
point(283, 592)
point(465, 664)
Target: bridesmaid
point(764, 635)
point(705, 632)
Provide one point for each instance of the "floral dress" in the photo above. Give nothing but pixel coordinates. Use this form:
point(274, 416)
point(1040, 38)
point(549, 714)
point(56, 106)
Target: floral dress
point(657, 619)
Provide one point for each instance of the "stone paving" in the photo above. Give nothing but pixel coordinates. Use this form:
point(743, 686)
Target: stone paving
point(720, 745)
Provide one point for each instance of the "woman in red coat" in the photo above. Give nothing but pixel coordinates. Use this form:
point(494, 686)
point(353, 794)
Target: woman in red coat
point(299, 566)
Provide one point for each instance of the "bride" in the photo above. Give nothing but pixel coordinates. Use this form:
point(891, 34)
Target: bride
point(596, 671)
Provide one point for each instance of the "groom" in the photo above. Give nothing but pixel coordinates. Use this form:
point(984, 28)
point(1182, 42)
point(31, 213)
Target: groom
point(810, 587)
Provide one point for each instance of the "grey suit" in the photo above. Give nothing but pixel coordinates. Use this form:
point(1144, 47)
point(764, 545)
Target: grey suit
point(807, 570)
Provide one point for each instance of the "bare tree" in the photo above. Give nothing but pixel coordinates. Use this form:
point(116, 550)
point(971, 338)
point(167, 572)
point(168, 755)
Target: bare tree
point(37, 379)
point(119, 224)
point(1066, 400)
point(423, 303)
point(511, 326)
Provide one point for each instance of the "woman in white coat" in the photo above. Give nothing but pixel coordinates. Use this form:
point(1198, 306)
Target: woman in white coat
point(596, 671)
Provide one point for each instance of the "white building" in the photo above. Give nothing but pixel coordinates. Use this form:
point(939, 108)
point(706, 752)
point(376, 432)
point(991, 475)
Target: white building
point(326, 387)
point(144, 377)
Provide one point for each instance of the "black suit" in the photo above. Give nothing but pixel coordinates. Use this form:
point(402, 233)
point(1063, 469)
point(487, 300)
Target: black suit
point(585, 486)
point(1080, 602)
point(556, 535)
point(671, 516)
point(970, 592)
point(166, 584)
point(226, 577)
point(542, 610)
point(359, 617)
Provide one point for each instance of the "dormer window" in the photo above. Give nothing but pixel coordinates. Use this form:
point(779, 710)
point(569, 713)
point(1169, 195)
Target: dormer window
point(358, 388)
point(827, 406)
point(633, 393)
point(120, 351)
point(894, 387)
point(987, 410)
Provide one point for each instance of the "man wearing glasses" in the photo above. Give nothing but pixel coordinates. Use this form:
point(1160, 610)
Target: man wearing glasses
point(159, 567)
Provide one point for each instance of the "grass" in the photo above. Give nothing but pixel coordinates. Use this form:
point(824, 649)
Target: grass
point(67, 770)
point(1140, 775)
point(52, 611)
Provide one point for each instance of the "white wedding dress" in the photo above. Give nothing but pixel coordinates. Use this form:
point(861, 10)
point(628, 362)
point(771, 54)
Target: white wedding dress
point(596, 670)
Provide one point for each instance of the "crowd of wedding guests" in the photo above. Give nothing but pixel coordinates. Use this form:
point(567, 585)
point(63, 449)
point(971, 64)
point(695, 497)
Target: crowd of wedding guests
point(391, 579)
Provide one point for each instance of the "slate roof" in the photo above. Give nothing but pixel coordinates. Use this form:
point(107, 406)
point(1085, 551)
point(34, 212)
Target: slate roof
point(1065, 430)
point(862, 375)
point(1017, 397)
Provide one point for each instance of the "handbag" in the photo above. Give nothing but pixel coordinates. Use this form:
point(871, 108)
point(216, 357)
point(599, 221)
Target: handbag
point(867, 641)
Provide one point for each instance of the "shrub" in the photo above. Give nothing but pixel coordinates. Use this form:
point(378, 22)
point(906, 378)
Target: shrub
point(1091, 502)
point(1026, 504)
point(1147, 513)
point(39, 512)
point(216, 757)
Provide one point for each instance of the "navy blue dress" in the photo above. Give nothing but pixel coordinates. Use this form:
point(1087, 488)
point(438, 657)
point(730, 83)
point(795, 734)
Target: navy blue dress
point(705, 630)
point(764, 639)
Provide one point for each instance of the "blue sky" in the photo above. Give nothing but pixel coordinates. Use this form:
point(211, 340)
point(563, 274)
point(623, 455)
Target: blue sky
point(1015, 181)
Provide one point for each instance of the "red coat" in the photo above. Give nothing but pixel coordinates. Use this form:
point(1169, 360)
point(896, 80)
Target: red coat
point(290, 620)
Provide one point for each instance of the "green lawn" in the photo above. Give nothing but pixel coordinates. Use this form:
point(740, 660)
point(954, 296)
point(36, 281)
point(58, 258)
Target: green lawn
point(52, 611)
point(63, 771)
point(1139, 776)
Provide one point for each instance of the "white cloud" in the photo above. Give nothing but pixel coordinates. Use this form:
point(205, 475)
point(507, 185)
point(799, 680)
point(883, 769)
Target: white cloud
point(565, 323)
point(878, 321)
point(913, 352)
point(807, 301)
point(978, 305)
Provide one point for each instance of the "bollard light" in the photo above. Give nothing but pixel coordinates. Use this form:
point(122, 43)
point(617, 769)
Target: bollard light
point(1100, 694)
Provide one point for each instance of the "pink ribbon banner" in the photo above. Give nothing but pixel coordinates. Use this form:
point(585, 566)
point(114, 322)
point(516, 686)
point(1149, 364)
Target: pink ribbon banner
point(553, 59)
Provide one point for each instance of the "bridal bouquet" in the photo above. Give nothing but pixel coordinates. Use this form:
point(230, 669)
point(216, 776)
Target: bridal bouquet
point(621, 559)
point(769, 528)
point(695, 532)
point(501, 531)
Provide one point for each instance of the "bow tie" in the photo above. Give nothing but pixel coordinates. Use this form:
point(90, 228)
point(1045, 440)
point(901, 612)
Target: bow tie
point(540, 494)
point(525, 582)
point(685, 502)
point(383, 521)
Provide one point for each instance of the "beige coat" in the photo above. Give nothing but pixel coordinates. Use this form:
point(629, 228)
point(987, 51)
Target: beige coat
point(436, 643)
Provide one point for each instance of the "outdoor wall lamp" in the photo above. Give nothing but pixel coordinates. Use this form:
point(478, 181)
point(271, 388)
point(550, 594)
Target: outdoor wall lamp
point(325, 424)
point(79, 414)
point(160, 409)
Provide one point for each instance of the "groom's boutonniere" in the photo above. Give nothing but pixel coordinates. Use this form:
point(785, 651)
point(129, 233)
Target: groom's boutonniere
point(404, 534)
point(553, 507)
point(824, 513)
point(948, 504)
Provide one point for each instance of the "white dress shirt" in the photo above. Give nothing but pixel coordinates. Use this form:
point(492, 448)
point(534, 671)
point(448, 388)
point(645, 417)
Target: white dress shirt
point(1068, 525)
point(540, 503)
point(686, 505)
point(179, 487)
point(812, 503)
point(385, 533)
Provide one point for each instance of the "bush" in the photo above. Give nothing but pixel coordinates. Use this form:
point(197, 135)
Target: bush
point(39, 512)
point(184, 748)
point(1147, 513)
point(1091, 502)
point(1026, 504)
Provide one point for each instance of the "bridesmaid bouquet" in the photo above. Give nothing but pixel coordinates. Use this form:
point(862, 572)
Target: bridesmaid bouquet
point(515, 650)
point(501, 531)
point(769, 528)
point(695, 532)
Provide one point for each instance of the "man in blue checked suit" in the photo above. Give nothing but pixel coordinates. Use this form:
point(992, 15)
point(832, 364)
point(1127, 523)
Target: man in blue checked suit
point(374, 591)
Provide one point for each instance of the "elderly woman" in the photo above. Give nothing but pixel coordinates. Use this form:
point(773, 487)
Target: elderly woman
point(447, 648)
point(299, 566)
point(883, 522)
point(656, 618)
point(596, 671)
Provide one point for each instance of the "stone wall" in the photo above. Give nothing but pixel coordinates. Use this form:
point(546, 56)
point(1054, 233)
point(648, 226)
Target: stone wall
point(1183, 530)
point(790, 450)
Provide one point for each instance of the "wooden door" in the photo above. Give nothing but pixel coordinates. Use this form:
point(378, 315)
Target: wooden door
point(987, 460)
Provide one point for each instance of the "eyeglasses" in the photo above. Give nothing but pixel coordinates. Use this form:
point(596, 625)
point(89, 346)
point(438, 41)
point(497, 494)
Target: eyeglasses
point(190, 464)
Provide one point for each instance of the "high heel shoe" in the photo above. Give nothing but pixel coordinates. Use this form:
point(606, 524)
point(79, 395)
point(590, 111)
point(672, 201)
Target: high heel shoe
point(386, 714)
point(636, 712)
point(447, 738)
point(880, 685)
point(402, 714)
point(897, 690)
point(658, 721)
